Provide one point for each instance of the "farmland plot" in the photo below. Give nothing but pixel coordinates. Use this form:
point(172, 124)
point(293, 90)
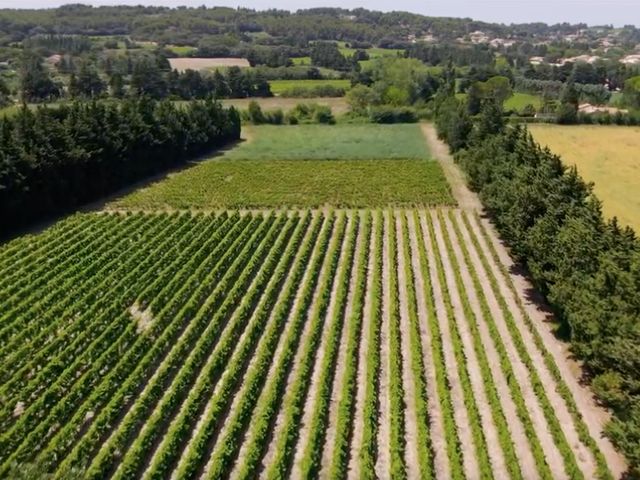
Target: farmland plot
point(302, 344)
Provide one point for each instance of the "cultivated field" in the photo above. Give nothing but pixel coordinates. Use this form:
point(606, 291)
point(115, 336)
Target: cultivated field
point(197, 333)
point(606, 155)
point(307, 166)
point(219, 184)
point(331, 142)
point(339, 344)
point(182, 64)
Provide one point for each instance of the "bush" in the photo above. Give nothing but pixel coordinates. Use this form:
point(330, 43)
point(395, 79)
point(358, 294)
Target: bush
point(387, 114)
point(311, 113)
point(324, 115)
point(314, 92)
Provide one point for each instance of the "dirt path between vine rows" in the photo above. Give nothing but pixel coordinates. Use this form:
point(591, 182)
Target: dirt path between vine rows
point(309, 403)
point(441, 464)
point(293, 311)
point(338, 376)
point(361, 390)
point(514, 425)
point(383, 462)
point(594, 417)
point(411, 454)
point(489, 429)
point(466, 198)
point(461, 416)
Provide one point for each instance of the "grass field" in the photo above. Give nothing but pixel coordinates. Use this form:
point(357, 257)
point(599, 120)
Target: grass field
point(220, 184)
point(605, 155)
point(280, 86)
point(328, 142)
point(516, 102)
point(520, 100)
point(181, 50)
point(282, 345)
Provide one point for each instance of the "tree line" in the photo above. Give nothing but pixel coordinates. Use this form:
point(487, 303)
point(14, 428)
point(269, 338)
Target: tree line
point(588, 268)
point(148, 75)
point(55, 159)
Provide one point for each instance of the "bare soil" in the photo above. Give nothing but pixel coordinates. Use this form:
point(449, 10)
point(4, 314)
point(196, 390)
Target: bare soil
point(465, 198)
point(594, 416)
point(356, 442)
point(438, 438)
point(338, 379)
point(470, 463)
point(309, 405)
point(189, 63)
point(271, 451)
point(410, 414)
point(473, 367)
point(383, 461)
point(514, 424)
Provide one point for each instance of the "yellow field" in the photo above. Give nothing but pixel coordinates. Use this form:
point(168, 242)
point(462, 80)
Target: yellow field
point(609, 156)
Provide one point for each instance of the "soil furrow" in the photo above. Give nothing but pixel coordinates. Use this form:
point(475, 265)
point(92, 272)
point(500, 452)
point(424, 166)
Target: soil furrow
point(582, 395)
point(516, 429)
point(338, 378)
point(410, 417)
point(438, 437)
point(383, 461)
point(356, 441)
point(470, 462)
point(552, 455)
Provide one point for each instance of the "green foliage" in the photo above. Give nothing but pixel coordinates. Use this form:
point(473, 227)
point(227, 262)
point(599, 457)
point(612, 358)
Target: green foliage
point(632, 92)
point(586, 267)
point(327, 54)
point(36, 83)
point(384, 114)
point(294, 183)
point(453, 123)
point(56, 159)
point(402, 81)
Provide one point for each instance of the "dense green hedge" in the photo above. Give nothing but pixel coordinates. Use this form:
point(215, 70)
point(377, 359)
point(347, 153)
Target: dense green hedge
point(54, 159)
point(588, 268)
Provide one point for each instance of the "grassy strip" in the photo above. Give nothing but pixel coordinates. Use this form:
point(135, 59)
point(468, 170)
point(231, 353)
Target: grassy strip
point(182, 386)
point(368, 450)
point(561, 387)
point(479, 440)
point(292, 339)
point(570, 465)
point(294, 402)
point(344, 425)
point(311, 460)
point(425, 448)
point(454, 448)
point(396, 390)
point(504, 437)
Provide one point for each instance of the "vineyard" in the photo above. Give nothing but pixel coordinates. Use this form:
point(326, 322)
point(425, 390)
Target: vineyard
point(298, 344)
